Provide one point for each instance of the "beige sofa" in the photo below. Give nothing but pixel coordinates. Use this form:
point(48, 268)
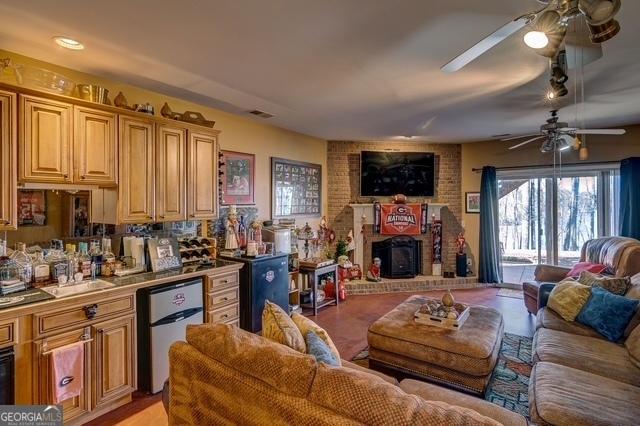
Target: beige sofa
point(224, 375)
point(621, 256)
point(579, 377)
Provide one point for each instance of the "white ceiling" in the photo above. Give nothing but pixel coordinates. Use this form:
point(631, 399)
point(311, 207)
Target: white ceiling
point(336, 69)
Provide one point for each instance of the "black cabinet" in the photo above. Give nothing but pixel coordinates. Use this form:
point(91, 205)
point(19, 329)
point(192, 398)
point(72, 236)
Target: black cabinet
point(264, 278)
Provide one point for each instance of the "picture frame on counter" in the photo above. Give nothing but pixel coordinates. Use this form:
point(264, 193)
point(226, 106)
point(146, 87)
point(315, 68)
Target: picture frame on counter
point(296, 188)
point(238, 178)
point(472, 202)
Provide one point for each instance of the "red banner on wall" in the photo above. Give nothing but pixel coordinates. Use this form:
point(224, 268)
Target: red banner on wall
point(400, 219)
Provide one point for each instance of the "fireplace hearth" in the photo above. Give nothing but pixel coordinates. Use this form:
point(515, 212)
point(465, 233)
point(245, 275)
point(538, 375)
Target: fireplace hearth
point(401, 256)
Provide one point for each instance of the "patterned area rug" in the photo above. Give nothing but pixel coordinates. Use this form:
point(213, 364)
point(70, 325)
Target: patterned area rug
point(509, 383)
point(510, 292)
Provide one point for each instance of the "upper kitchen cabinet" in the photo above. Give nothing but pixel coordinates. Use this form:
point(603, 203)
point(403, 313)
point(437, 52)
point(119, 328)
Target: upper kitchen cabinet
point(45, 147)
point(8, 173)
point(171, 152)
point(136, 201)
point(95, 147)
point(202, 175)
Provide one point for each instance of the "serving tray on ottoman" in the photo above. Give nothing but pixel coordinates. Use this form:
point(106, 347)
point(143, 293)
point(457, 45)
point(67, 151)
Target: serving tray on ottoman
point(463, 359)
point(448, 323)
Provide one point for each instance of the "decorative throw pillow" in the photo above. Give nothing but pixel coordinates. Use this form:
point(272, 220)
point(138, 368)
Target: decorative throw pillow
point(614, 285)
point(577, 269)
point(277, 326)
point(320, 350)
point(305, 325)
point(567, 299)
point(607, 313)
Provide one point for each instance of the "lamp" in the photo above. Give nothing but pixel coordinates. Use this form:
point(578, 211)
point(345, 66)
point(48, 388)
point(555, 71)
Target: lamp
point(547, 33)
point(558, 90)
point(599, 14)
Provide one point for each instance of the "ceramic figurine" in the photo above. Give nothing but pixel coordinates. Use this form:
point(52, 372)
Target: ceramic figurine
point(447, 299)
point(461, 242)
point(373, 274)
point(344, 262)
point(231, 227)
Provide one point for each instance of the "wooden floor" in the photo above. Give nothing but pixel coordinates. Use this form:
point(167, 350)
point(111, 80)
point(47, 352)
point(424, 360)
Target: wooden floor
point(347, 325)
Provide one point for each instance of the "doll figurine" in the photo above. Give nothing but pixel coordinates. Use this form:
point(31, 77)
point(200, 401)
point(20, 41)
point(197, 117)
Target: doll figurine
point(231, 229)
point(461, 242)
point(373, 274)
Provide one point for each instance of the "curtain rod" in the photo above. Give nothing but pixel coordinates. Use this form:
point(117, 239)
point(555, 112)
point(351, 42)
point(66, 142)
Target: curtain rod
point(550, 166)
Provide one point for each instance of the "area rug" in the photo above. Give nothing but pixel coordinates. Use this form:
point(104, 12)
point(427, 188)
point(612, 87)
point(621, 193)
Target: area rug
point(510, 292)
point(509, 382)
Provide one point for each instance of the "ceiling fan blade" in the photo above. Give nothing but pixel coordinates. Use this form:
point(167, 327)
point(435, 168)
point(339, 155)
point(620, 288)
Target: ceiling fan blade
point(520, 137)
point(580, 50)
point(526, 142)
point(599, 131)
point(486, 43)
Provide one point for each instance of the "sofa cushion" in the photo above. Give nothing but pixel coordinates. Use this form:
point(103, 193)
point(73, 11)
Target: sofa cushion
point(278, 365)
point(372, 401)
point(585, 353)
point(560, 395)
point(579, 267)
point(567, 299)
point(317, 348)
point(431, 392)
point(546, 318)
point(352, 366)
point(615, 285)
point(608, 313)
point(633, 346)
point(634, 287)
point(279, 327)
point(305, 325)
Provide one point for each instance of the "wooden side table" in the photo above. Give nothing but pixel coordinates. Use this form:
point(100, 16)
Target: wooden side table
point(312, 276)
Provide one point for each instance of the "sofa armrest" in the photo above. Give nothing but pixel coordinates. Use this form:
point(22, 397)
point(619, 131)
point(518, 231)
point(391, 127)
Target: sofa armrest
point(386, 378)
point(550, 273)
point(543, 294)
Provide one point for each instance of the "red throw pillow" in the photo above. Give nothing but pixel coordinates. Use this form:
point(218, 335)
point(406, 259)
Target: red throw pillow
point(578, 268)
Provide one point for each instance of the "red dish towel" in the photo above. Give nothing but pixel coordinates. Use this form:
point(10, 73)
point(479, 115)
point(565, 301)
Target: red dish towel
point(67, 366)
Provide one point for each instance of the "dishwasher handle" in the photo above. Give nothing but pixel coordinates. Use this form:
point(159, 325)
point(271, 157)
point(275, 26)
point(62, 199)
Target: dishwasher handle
point(177, 316)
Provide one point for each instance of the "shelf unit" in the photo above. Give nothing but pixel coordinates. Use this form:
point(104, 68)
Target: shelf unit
point(312, 278)
point(294, 285)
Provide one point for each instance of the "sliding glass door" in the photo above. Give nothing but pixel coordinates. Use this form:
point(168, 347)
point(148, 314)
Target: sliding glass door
point(546, 217)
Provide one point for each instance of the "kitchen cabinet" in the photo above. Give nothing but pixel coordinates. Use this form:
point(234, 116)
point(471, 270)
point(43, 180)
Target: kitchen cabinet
point(136, 194)
point(222, 298)
point(45, 146)
point(114, 349)
point(171, 150)
point(202, 176)
point(95, 146)
point(8, 160)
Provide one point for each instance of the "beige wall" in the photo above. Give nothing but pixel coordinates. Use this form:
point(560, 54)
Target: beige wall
point(238, 133)
point(496, 153)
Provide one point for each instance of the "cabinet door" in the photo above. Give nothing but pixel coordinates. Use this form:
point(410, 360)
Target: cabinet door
point(115, 360)
point(45, 148)
point(95, 146)
point(8, 162)
point(171, 143)
point(72, 407)
point(136, 182)
point(202, 182)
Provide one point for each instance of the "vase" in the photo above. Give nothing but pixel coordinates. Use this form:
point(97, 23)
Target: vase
point(447, 299)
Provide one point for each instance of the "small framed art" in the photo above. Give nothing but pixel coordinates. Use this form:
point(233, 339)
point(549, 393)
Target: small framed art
point(238, 182)
point(472, 202)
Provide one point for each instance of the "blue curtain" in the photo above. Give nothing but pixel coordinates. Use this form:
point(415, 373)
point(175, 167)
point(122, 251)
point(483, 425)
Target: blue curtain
point(630, 198)
point(490, 264)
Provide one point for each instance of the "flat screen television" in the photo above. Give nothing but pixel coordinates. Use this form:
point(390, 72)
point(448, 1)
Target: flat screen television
point(391, 173)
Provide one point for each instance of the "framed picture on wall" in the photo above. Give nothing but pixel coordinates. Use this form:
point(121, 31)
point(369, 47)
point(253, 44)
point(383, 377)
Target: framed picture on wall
point(296, 188)
point(32, 207)
point(472, 202)
point(238, 179)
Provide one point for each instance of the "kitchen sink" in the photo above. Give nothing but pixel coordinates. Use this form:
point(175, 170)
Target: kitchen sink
point(72, 289)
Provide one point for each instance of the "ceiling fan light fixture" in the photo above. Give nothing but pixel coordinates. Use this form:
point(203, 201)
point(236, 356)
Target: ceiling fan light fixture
point(583, 154)
point(536, 39)
point(599, 15)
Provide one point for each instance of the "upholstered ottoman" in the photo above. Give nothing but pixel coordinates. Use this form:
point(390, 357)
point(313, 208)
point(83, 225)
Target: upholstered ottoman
point(463, 359)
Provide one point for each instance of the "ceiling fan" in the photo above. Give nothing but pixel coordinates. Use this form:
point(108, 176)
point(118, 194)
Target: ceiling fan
point(558, 22)
point(558, 136)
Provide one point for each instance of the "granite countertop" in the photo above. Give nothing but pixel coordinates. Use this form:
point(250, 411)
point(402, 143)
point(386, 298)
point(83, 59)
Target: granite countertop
point(35, 295)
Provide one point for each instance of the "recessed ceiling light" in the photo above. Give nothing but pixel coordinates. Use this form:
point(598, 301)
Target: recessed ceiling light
point(68, 43)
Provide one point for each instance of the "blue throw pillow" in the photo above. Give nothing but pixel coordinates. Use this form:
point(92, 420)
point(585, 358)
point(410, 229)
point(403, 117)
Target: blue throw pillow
point(320, 350)
point(607, 313)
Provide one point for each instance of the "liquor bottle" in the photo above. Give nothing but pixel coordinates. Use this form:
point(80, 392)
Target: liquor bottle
point(9, 272)
point(108, 258)
point(84, 260)
point(41, 270)
point(24, 262)
point(242, 234)
point(96, 258)
point(58, 262)
point(72, 260)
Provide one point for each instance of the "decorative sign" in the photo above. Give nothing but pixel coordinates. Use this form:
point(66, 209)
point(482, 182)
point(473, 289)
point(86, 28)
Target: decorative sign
point(31, 207)
point(400, 219)
point(164, 253)
point(296, 188)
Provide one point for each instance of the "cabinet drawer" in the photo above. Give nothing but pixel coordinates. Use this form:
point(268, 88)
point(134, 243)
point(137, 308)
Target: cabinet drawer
point(217, 282)
point(226, 314)
point(235, 322)
point(223, 297)
point(79, 315)
point(7, 333)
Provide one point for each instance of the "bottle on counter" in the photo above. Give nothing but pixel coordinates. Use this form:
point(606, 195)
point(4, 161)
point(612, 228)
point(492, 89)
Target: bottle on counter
point(24, 262)
point(72, 260)
point(108, 258)
point(84, 260)
point(9, 272)
point(41, 270)
point(58, 262)
point(96, 258)
point(242, 234)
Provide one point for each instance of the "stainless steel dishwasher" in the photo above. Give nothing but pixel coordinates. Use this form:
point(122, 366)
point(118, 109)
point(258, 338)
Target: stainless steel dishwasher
point(164, 312)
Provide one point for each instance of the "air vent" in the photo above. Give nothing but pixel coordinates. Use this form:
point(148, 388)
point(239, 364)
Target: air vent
point(260, 114)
